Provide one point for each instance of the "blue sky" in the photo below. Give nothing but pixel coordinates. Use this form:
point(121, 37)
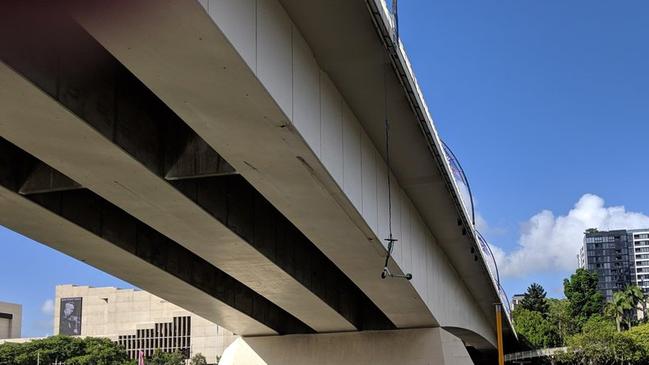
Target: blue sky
point(542, 101)
point(29, 273)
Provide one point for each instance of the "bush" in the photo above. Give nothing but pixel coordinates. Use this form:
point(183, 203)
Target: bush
point(534, 329)
point(639, 334)
point(600, 343)
point(71, 350)
point(198, 359)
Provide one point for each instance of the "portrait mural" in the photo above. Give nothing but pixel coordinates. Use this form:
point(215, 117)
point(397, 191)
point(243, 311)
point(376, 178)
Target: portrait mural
point(70, 316)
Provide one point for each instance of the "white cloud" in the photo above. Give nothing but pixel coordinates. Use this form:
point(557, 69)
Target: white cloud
point(548, 243)
point(48, 307)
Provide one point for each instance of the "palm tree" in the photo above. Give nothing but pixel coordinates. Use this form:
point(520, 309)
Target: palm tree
point(636, 296)
point(622, 304)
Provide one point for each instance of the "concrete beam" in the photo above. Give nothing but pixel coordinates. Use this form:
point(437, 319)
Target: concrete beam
point(405, 347)
point(144, 141)
point(85, 226)
point(44, 179)
point(337, 29)
point(195, 159)
point(197, 72)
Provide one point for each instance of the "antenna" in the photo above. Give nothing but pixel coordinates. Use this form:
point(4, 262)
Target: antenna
point(391, 240)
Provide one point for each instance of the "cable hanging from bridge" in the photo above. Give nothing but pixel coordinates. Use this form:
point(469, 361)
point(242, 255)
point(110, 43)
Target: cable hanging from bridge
point(391, 240)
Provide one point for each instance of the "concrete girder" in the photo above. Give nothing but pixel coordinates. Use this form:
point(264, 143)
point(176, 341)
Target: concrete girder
point(351, 48)
point(44, 179)
point(196, 159)
point(87, 227)
point(196, 71)
point(92, 85)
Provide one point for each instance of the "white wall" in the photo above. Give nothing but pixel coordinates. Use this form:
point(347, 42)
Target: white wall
point(11, 328)
point(271, 45)
point(126, 310)
point(404, 347)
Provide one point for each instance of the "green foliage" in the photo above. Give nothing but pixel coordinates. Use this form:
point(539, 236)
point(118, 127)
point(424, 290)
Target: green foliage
point(166, 358)
point(534, 299)
point(600, 343)
point(71, 350)
point(581, 291)
point(198, 359)
point(622, 307)
point(99, 351)
point(639, 334)
point(598, 324)
point(561, 319)
point(534, 329)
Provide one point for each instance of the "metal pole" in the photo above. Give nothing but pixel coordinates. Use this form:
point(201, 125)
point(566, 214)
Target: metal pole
point(499, 332)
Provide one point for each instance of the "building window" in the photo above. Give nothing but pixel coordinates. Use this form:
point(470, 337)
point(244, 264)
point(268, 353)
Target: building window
point(168, 337)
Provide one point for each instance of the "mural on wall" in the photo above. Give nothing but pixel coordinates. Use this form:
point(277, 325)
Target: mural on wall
point(70, 316)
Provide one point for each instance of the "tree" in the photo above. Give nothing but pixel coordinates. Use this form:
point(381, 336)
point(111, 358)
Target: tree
point(581, 291)
point(600, 343)
point(71, 350)
point(166, 358)
point(534, 299)
point(640, 334)
point(99, 351)
point(534, 329)
point(637, 297)
point(560, 318)
point(198, 359)
point(621, 305)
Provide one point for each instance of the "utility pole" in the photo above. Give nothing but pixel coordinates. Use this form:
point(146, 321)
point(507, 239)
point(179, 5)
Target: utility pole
point(499, 332)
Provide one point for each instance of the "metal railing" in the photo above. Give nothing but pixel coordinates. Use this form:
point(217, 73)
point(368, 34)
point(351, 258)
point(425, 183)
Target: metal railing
point(490, 260)
point(461, 180)
point(535, 353)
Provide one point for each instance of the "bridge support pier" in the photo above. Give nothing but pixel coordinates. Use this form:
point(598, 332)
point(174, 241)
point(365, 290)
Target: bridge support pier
point(424, 346)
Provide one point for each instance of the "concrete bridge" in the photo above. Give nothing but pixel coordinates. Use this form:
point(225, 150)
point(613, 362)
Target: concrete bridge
point(230, 157)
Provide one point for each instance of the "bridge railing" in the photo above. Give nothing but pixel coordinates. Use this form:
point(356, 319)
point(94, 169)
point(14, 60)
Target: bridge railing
point(524, 355)
point(485, 248)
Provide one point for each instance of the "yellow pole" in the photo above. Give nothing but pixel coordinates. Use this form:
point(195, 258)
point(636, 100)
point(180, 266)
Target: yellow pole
point(499, 331)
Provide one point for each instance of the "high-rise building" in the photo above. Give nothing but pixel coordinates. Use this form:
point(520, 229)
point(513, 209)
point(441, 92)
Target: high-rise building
point(619, 257)
point(10, 320)
point(137, 320)
point(641, 258)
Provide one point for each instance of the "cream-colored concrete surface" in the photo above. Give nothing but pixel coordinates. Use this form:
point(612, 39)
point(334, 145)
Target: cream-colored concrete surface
point(311, 158)
point(39, 125)
point(196, 71)
point(31, 220)
point(343, 50)
point(111, 312)
point(11, 327)
point(432, 346)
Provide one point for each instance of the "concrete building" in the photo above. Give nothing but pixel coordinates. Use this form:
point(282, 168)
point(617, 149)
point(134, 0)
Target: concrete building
point(10, 320)
point(619, 257)
point(137, 320)
point(641, 257)
point(516, 300)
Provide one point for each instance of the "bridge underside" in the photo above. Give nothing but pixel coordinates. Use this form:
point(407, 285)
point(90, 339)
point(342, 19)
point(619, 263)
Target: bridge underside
point(160, 157)
point(103, 112)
